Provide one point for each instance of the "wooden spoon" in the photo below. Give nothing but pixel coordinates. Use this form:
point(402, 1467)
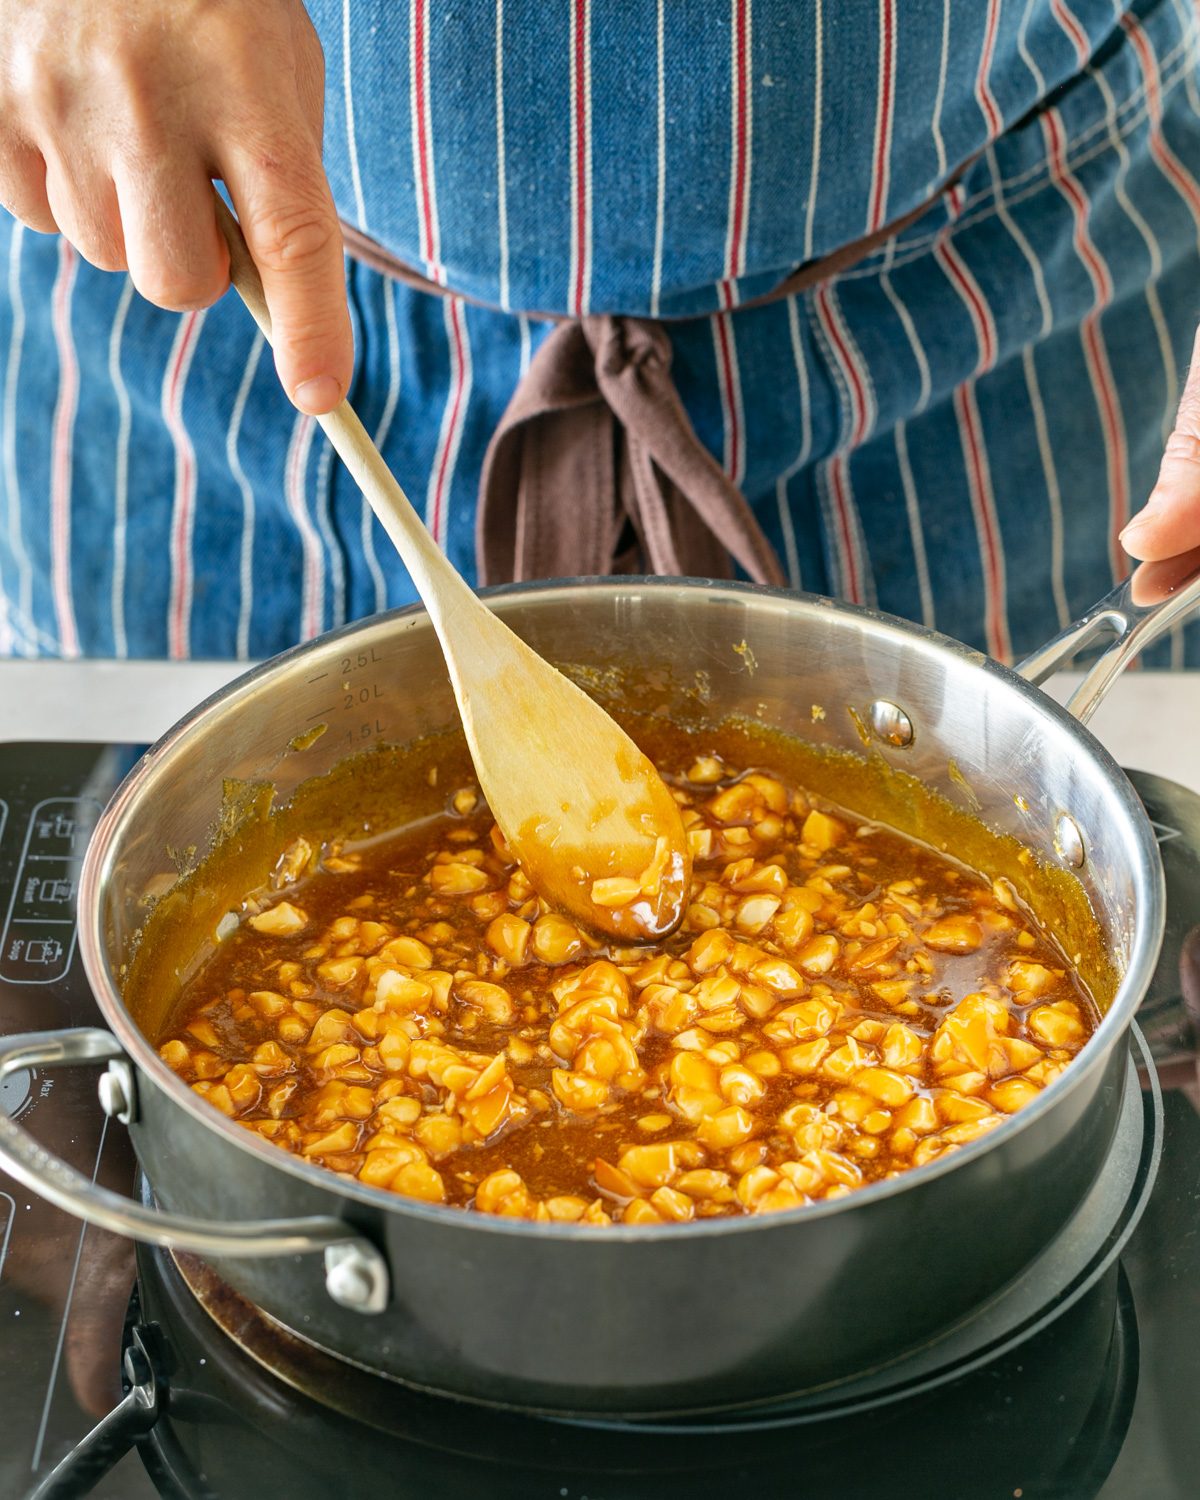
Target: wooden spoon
point(580, 807)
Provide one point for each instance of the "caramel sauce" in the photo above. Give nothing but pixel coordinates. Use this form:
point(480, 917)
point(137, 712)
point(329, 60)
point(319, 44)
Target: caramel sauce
point(853, 1003)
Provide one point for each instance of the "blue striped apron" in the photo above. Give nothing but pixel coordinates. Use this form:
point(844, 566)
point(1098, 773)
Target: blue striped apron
point(954, 428)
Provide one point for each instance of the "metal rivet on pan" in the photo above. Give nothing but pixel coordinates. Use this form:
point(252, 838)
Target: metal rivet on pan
point(356, 1276)
point(890, 723)
point(1068, 841)
point(118, 1091)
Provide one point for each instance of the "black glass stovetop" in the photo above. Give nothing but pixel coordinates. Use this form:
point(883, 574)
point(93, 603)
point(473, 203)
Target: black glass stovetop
point(1100, 1402)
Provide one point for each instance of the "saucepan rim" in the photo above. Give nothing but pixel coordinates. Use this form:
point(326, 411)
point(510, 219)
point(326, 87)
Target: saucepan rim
point(96, 873)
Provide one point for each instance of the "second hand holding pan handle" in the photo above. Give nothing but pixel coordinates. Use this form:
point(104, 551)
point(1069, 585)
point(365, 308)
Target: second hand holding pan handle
point(1154, 597)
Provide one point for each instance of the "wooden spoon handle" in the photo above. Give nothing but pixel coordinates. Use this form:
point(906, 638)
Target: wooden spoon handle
point(435, 579)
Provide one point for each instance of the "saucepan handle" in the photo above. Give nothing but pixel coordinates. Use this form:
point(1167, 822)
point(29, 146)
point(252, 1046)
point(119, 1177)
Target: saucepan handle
point(1154, 597)
point(356, 1274)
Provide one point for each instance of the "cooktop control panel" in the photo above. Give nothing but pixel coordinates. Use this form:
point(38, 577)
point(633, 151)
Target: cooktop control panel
point(50, 1274)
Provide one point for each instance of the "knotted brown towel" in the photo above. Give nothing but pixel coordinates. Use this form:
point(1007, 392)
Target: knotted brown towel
point(596, 437)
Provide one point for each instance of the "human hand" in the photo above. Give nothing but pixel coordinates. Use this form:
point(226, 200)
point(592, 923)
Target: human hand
point(114, 121)
point(1169, 523)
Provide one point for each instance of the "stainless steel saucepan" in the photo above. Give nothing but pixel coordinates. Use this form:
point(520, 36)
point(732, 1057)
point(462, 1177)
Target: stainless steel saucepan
point(635, 1319)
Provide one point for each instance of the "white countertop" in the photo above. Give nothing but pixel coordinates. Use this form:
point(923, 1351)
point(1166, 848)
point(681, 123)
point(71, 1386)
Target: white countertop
point(1150, 720)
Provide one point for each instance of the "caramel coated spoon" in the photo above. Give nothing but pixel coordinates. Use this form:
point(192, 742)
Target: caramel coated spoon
point(580, 807)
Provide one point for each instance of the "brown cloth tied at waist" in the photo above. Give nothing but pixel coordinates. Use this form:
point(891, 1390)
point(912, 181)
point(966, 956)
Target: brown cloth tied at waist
point(595, 440)
point(595, 467)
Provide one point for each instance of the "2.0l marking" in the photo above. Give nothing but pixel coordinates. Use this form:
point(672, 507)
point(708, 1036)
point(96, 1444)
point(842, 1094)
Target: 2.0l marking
point(356, 697)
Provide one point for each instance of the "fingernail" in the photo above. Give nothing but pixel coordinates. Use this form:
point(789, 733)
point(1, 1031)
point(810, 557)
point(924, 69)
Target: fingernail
point(318, 395)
